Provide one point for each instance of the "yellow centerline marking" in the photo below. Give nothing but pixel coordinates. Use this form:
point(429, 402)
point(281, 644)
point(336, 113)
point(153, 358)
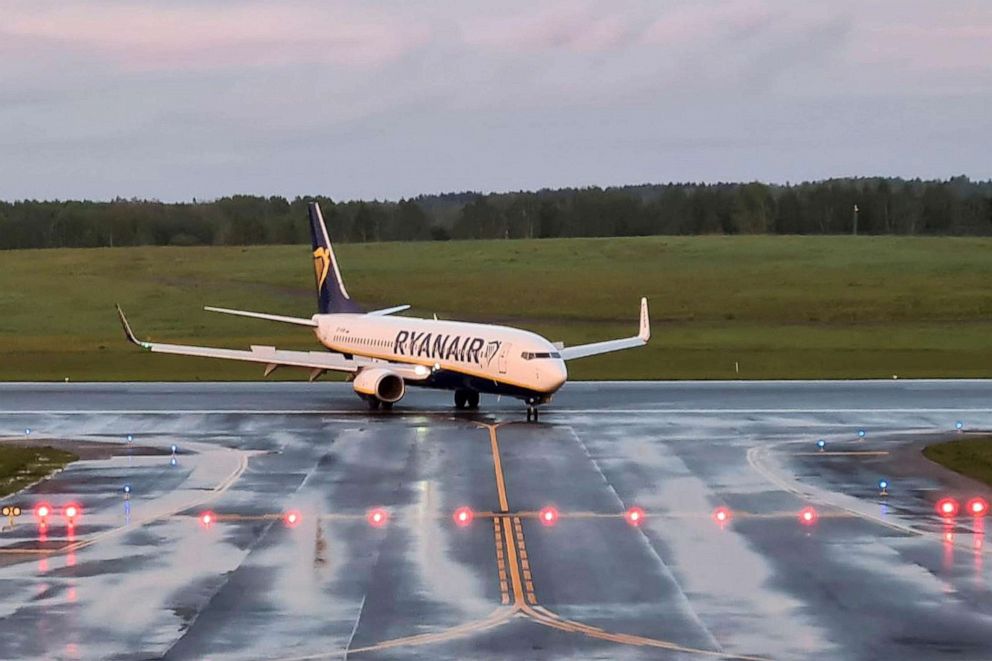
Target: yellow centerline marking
point(498, 467)
point(504, 593)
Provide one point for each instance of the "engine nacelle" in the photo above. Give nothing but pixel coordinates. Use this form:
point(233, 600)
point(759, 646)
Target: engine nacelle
point(377, 382)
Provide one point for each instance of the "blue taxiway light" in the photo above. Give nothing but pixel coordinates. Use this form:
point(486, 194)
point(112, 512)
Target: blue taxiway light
point(883, 485)
point(127, 488)
point(861, 433)
point(959, 425)
point(27, 432)
point(130, 438)
point(173, 449)
point(821, 444)
point(172, 461)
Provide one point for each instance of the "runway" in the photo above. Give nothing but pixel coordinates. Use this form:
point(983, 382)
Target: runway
point(874, 575)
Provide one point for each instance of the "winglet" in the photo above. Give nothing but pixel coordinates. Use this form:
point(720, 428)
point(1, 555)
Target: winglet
point(128, 333)
point(645, 330)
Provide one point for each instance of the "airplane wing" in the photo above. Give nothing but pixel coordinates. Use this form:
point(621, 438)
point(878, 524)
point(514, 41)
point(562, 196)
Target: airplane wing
point(261, 315)
point(596, 348)
point(317, 362)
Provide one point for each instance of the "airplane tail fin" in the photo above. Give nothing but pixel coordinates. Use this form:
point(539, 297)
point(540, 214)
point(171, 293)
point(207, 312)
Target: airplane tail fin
point(332, 297)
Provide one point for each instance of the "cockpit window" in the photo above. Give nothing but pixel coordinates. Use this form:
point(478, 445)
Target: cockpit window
point(530, 355)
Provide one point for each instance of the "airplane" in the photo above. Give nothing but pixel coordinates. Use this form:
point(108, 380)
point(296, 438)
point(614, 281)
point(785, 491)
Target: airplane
point(382, 354)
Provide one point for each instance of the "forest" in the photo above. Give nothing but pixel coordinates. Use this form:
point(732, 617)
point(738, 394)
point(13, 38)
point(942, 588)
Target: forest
point(873, 205)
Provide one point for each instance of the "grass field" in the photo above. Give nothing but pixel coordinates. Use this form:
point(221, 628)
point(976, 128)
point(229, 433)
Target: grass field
point(780, 307)
point(21, 466)
point(968, 456)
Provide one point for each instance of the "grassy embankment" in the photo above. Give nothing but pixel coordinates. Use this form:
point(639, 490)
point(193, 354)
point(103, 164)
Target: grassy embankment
point(24, 465)
point(781, 307)
point(968, 456)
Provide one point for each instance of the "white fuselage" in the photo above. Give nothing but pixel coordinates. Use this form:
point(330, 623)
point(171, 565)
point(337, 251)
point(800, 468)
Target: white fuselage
point(490, 358)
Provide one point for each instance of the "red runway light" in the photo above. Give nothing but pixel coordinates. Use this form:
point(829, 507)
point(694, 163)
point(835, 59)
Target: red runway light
point(807, 516)
point(207, 519)
point(549, 516)
point(463, 516)
point(42, 511)
point(947, 507)
point(634, 516)
point(292, 518)
point(378, 517)
point(71, 511)
point(721, 515)
point(978, 507)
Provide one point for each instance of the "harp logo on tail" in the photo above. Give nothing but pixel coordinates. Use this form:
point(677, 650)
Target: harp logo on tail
point(321, 265)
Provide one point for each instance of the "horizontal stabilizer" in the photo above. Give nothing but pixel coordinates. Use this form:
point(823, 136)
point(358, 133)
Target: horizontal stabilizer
point(387, 311)
point(268, 317)
point(596, 348)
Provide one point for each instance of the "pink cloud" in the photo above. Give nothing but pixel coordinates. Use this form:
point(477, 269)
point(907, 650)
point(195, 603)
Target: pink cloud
point(570, 26)
point(162, 37)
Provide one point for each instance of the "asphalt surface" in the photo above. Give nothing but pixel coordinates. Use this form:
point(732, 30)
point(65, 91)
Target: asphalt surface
point(874, 576)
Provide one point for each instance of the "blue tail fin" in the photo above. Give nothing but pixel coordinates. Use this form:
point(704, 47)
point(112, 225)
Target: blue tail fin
point(331, 295)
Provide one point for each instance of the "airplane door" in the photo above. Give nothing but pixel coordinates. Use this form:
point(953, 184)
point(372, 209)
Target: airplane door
point(501, 360)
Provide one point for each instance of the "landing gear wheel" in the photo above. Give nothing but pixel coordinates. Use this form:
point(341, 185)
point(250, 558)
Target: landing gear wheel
point(373, 403)
point(472, 399)
point(531, 413)
point(461, 399)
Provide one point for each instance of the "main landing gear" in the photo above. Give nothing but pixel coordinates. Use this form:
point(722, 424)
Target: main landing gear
point(466, 399)
point(374, 404)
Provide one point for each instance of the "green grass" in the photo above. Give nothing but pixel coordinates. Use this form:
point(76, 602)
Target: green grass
point(781, 307)
point(968, 456)
point(21, 466)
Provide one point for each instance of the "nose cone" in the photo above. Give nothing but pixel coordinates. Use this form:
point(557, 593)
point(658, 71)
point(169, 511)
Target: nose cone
point(555, 375)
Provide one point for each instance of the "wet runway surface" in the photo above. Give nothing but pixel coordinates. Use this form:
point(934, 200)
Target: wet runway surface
point(873, 576)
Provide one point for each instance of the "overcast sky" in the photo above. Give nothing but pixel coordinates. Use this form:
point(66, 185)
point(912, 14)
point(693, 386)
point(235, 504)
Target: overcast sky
point(368, 99)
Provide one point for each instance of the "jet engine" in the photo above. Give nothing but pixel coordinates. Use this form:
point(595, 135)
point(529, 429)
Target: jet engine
point(385, 385)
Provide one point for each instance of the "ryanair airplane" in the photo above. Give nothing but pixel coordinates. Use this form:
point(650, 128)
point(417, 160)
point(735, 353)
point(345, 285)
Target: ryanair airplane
point(382, 354)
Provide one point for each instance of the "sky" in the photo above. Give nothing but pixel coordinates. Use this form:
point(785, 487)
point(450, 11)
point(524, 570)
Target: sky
point(382, 100)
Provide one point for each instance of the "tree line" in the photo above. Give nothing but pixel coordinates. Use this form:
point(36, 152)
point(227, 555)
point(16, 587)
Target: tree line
point(957, 206)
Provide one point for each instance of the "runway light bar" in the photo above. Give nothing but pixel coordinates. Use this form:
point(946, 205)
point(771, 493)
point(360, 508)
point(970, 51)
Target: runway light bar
point(378, 517)
point(721, 515)
point(634, 516)
point(207, 519)
point(71, 512)
point(292, 518)
point(548, 516)
point(977, 507)
point(807, 516)
point(947, 507)
point(463, 516)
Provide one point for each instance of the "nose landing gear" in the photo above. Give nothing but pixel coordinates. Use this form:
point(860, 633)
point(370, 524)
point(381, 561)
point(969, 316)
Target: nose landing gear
point(531, 410)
